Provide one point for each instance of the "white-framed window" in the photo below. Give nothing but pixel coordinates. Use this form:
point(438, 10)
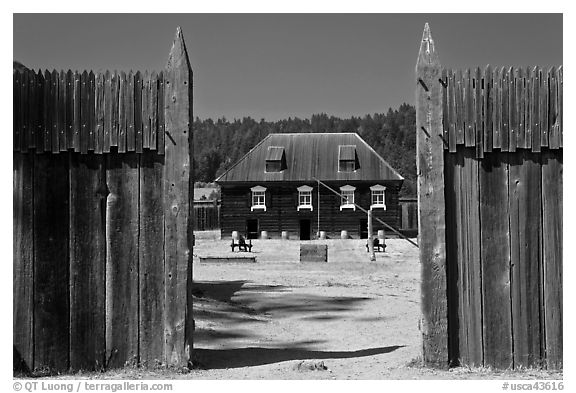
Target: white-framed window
point(347, 200)
point(305, 198)
point(258, 198)
point(378, 197)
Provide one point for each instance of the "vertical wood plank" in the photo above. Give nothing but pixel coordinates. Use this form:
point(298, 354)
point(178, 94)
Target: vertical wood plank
point(122, 218)
point(91, 111)
point(488, 108)
point(505, 109)
point(160, 112)
point(51, 241)
point(513, 111)
point(23, 257)
point(459, 108)
point(429, 152)
point(16, 110)
point(535, 109)
point(497, 79)
point(527, 95)
point(85, 113)
point(138, 111)
point(544, 130)
point(24, 116)
point(560, 103)
point(54, 108)
point(451, 112)
point(107, 112)
point(122, 112)
point(47, 115)
point(470, 190)
point(154, 105)
point(177, 185)
point(151, 258)
point(525, 231)
point(520, 102)
point(495, 254)
point(130, 131)
point(115, 115)
point(62, 142)
point(553, 135)
point(77, 111)
point(552, 209)
point(469, 119)
point(478, 124)
point(39, 130)
point(69, 109)
point(145, 112)
point(32, 107)
point(99, 114)
point(445, 122)
point(87, 262)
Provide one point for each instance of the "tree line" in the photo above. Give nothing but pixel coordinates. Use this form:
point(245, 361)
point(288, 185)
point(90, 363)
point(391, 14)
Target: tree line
point(219, 144)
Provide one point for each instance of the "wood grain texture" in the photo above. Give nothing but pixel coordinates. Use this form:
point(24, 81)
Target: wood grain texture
point(161, 133)
point(24, 84)
point(55, 115)
point(99, 113)
point(69, 109)
point(525, 231)
point(23, 258)
point(62, 134)
point(554, 131)
point(138, 112)
point(32, 107)
point(39, 109)
point(107, 112)
point(544, 94)
point(469, 115)
point(177, 185)
point(16, 110)
point(151, 258)
point(129, 107)
point(85, 113)
point(431, 204)
point(122, 112)
point(153, 105)
point(478, 112)
point(512, 111)
point(504, 109)
point(487, 95)
point(91, 111)
point(77, 124)
point(122, 222)
point(87, 262)
point(495, 259)
point(115, 120)
point(51, 242)
point(471, 221)
point(145, 98)
point(535, 109)
point(552, 209)
point(452, 123)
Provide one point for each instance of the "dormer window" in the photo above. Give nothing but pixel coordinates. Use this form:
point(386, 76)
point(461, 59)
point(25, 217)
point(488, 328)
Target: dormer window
point(275, 159)
point(305, 198)
point(258, 198)
point(378, 197)
point(347, 199)
point(347, 158)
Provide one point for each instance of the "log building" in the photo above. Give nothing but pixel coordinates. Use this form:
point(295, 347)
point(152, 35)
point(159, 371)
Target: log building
point(274, 188)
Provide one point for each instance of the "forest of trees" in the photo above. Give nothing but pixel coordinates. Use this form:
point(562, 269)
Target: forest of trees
point(218, 145)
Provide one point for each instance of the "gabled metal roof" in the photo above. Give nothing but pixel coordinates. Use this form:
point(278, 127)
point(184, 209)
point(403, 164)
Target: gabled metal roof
point(309, 156)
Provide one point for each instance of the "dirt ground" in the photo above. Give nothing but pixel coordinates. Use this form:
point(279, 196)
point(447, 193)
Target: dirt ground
point(281, 319)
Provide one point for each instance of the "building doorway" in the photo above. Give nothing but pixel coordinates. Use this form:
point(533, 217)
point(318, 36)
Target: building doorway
point(363, 230)
point(304, 229)
point(252, 229)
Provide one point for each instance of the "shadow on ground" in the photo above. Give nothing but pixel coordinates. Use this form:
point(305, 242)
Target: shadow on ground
point(255, 356)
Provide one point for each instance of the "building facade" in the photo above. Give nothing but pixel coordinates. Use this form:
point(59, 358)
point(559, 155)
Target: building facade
point(277, 187)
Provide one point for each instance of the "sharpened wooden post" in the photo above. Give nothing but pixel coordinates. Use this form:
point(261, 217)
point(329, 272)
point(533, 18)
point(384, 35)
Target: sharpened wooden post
point(431, 208)
point(178, 323)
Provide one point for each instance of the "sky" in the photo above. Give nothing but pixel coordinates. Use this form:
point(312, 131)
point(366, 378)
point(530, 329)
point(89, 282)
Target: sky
point(275, 66)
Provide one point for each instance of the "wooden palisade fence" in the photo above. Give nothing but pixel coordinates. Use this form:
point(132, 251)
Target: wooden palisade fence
point(101, 205)
point(490, 213)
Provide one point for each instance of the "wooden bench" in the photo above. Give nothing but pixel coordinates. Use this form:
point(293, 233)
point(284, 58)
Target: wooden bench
point(377, 246)
point(242, 245)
